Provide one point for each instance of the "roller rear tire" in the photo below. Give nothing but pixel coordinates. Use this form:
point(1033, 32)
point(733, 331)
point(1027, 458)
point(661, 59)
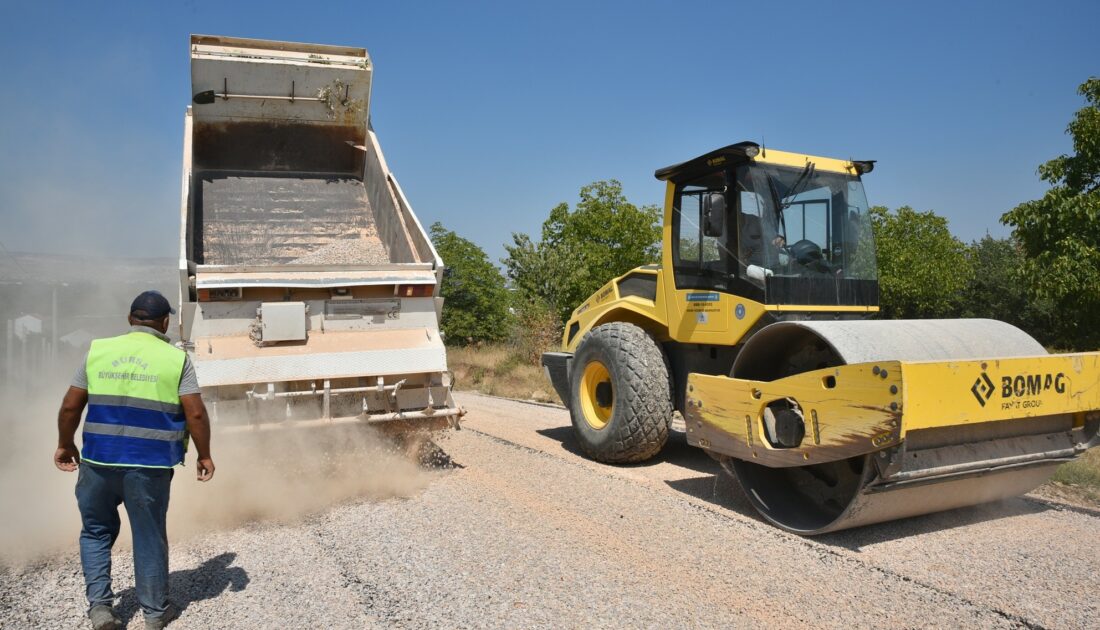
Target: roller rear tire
point(620, 394)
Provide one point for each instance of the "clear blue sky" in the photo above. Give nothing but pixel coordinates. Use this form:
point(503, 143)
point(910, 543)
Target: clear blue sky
point(492, 112)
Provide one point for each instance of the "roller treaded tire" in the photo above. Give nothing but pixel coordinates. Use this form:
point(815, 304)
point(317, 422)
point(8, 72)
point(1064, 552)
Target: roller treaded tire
point(642, 392)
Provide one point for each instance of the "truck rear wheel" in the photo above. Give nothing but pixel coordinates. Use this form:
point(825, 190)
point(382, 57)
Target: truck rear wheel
point(620, 394)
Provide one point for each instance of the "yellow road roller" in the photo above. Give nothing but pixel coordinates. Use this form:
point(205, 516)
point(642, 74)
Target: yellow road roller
point(758, 327)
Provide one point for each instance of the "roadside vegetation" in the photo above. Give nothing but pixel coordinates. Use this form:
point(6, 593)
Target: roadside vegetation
point(1043, 278)
point(1081, 478)
point(495, 369)
point(496, 336)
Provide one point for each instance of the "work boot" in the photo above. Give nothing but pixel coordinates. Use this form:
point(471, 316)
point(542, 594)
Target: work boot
point(158, 623)
point(103, 618)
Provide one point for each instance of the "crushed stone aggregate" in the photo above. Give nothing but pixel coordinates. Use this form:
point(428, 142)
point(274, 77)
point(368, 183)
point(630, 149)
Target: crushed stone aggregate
point(523, 532)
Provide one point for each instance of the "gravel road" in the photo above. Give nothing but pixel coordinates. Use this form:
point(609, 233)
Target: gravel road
point(523, 532)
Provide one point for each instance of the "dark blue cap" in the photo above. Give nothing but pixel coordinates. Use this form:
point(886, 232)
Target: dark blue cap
point(150, 305)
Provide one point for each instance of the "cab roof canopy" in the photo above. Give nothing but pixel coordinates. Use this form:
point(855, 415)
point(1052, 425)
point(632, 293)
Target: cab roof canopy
point(708, 161)
point(746, 151)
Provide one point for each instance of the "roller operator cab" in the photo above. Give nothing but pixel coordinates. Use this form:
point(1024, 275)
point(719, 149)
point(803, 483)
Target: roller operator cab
point(757, 326)
point(784, 229)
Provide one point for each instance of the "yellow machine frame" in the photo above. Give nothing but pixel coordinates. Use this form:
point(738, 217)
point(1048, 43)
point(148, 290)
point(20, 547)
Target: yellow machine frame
point(829, 424)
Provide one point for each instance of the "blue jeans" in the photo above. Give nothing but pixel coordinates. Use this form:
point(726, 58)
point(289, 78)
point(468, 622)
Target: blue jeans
point(144, 491)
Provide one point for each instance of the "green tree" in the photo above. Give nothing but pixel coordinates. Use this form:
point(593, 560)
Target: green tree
point(476, 302)
point(580, 250)
point(994, 290)
point(1060, 233)
point(922, 267)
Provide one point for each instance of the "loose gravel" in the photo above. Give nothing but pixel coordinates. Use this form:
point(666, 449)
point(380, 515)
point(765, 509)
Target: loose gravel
point(359, 251)
point(523, 532)
point(289, 219)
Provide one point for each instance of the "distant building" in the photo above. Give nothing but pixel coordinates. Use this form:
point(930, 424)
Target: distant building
point(27, 325)
point(78, 339)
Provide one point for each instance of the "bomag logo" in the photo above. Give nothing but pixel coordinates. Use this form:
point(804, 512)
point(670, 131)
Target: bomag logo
point(1018, 386)
point(982, 389)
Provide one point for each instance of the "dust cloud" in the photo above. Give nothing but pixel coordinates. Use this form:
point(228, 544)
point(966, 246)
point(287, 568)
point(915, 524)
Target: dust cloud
point(36, 499)
point(277, 475)
point(282, 475)
point(265, 476)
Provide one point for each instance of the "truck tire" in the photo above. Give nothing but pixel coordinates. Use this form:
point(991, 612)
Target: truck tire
point(620, 394)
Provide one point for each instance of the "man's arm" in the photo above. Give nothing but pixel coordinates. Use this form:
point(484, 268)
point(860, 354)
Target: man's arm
point(198, 425)
point(67, 457)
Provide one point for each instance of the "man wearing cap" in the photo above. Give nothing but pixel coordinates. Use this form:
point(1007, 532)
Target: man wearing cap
point(143, 405)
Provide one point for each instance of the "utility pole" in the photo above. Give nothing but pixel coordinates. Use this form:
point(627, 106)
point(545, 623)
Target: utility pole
point(39, 374)
point(23, 360)
point(9, 343)
point(53, 328)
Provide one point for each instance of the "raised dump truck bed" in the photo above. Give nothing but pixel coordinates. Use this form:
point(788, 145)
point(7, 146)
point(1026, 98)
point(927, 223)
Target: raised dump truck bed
point(309, 290)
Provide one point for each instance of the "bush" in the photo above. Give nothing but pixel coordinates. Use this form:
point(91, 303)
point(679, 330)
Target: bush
point(537, 329)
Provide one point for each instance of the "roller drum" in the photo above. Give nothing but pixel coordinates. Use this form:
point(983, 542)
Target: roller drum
point(848, 493)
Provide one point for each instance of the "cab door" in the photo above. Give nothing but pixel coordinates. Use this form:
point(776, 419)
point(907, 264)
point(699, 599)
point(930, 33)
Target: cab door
point(705, 296)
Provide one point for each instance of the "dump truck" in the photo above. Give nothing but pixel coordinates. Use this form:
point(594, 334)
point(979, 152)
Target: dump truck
point(309, 290)
point(758, 327)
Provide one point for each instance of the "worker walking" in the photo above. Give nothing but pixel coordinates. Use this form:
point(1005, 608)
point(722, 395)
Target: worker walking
point(143, 405)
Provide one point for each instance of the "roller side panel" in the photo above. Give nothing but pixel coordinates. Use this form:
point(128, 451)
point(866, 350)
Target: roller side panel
point(857, 409)
point(849, 410)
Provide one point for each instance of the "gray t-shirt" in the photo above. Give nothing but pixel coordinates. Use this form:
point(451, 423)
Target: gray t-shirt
point(189, 384)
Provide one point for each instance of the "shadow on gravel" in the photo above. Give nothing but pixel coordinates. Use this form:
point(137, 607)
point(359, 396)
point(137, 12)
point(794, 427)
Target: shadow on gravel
point(207, 581)
point(723, 491)
point(718, 489)
point(715, 486)
point(1063, 507)
point(856, 539)
point(565, 436)
point(676, 451)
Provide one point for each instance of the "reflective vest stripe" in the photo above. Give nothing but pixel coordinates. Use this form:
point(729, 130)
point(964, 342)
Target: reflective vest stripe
point(109, 414)
point(136, 403)
point(123, 450)
point(137, 432)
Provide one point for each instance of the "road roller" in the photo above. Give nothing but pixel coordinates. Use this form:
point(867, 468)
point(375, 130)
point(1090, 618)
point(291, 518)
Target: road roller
point(759, 327)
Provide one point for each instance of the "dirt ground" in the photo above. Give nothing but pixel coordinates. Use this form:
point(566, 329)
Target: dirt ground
point(523, 532)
